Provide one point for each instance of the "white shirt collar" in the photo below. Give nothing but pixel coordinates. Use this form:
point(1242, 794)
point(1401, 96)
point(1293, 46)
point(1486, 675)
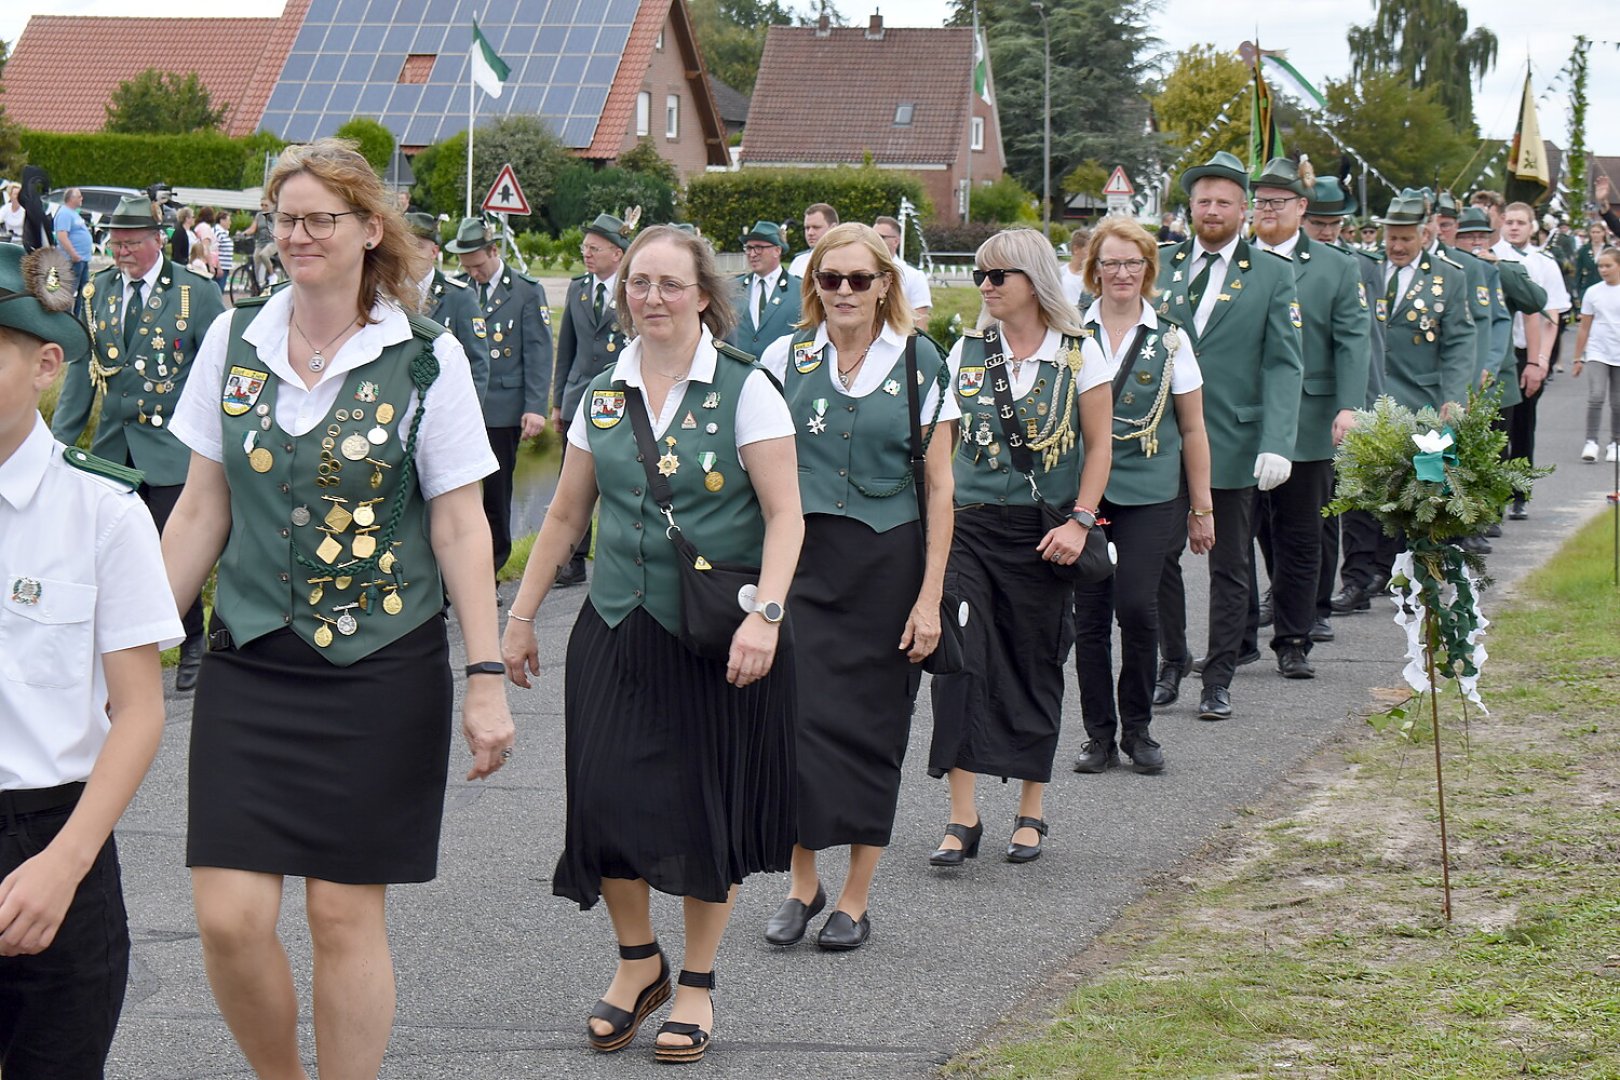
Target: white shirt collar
point(1226, 251)
point(627, 369)
point(148, 279)
point(1285, 248)
point(1147, 317)
point(769, 280)
point(268, 334)
point(22, 473)
point(610, 283)
point(888, 335)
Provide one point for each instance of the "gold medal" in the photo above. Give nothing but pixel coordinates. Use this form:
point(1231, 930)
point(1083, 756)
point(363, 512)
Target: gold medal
point(356, 447)
point(393, 604)
point(714, 481)
point(365, 516)
point(364, 546)
point(180, 324)
point(343, 582)
point(385, 413)
point(112, 352)
point(261, 460)
point(323, 636)
point(316, 593)
point(338, 518)
point(329, 550)
point(386, 563)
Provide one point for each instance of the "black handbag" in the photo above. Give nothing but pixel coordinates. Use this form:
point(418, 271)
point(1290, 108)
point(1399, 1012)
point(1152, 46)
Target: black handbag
point(949, 656)
point(1096, 561)
point(715, 597)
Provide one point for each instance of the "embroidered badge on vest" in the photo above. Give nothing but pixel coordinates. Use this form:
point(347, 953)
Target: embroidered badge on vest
point(242, 389)
point(1482, 295)
point(806, 357)
point(1293, 314)
point(969, 381)
point(607, 408)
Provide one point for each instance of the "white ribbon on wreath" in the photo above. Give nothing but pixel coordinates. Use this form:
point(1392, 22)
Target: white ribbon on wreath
point(1409, 615)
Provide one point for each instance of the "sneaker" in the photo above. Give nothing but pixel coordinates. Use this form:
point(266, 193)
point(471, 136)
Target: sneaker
point(1612, 452)
point(1589, 452)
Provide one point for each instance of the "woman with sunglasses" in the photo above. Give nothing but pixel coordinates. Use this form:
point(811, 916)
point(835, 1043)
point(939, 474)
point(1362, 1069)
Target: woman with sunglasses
point(680, 768)
point(333, 482)
point(1159, 439)
point(1033, 391)
point(865, 600)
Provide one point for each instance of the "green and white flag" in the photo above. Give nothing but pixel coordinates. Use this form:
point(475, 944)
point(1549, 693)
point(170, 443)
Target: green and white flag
point(488, 70)
point(981, 69)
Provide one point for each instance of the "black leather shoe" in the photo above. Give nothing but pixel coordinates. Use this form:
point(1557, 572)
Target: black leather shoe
point(1146, 757)
point(1518, 511)
point(969, 835)
point(1493, 530)
point(185, 676)
point(1216, 704)
point(1291, 662)
point(1474, 545)
point(1321, 630)
point(1168, 685)
point(840, 933)
point(572, 574)
point(1351, 598)
point(1243, 658)
point(1096, 756)
point(1265, 609)
point(787, 926)
point(1022, 853)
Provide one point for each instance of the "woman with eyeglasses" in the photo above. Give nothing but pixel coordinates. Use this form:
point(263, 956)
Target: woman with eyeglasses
point(865, 600)
point(1161, 456)
point(1033, 392)
point(680, 768)
point(333, 482)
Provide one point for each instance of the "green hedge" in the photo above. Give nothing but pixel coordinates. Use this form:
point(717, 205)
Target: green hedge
point(725, 204)
point(201, 160)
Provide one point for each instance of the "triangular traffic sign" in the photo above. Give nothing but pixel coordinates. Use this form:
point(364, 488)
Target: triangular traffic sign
point(1118, 183)
point(506, 195)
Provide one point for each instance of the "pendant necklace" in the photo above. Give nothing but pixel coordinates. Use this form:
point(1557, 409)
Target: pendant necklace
point(845, 374)
point(318, 360)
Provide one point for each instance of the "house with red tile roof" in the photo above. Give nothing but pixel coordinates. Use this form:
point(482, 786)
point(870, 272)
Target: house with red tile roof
point(831, 95)
point(601, 74)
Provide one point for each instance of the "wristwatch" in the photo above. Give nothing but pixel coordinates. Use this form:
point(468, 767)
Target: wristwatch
point(1085, 518)
point(488, 667)
point(769, 610)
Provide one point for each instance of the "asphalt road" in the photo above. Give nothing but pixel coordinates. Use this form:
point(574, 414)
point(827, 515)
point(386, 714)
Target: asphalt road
point(496, 975)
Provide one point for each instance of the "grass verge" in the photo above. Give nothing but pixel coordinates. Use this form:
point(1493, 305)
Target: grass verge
point(1316, 947)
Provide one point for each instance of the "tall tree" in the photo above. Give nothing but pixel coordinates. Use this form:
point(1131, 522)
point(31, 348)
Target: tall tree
point(1203, 80)
point(1427, 43)
point(159, 103)
point(731, 36)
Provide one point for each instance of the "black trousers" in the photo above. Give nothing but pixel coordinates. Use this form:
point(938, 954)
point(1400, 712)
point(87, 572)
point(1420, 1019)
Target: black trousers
point(1229, 563)
point(1521, 419)
point(1290, 516)
point(161, 502)
point(1368, 553)
point(584, 547)
point(498, 490)
point(1329, 571)
point(1141, 535)
point(59, 1008)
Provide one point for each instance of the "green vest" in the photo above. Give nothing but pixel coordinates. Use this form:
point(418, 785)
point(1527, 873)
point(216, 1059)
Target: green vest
point(1049, 415)
point(715, 504)
point(855, 453)
point(1147, 432)
point(300, 553)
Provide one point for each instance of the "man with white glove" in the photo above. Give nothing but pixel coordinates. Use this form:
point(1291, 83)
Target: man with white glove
point(1240, 309)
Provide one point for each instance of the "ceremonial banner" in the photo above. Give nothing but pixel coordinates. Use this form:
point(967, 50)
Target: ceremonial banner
point(1528, 178)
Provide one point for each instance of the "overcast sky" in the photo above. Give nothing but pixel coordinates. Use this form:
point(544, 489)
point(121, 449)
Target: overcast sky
point(1310, 31)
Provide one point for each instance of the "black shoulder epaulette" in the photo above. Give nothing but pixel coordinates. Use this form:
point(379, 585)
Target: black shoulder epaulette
point(424, 327)
point(1280, 255)
point(526, 277)
point(582, 277)
point(120, 475)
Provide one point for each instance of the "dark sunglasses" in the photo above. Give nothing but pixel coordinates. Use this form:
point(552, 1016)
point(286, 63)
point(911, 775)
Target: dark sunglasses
point(859, 281)
point(998, 277)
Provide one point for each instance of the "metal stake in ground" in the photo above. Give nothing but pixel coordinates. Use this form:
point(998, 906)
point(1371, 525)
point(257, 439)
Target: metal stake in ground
point(1432, 636)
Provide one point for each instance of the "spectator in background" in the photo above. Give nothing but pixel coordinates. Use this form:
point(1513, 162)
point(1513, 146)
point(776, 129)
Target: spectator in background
point(73, 237)
point(914, 282)
point(1168, 232)
point(12, 215)
point(1586, 269)
point(204, 256)
point(1073, 273)
point(224, 247)
point(818, 218)
point(180, 240)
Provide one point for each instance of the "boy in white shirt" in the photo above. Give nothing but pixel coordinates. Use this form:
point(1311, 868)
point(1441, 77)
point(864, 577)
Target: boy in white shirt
point(84, 608)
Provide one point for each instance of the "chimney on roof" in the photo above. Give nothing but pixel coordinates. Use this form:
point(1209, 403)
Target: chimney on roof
point(824, 24)
point(874, 28)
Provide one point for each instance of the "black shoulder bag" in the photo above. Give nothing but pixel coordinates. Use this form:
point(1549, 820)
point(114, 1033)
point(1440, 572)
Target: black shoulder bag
point(948, 656)
point(712, 594)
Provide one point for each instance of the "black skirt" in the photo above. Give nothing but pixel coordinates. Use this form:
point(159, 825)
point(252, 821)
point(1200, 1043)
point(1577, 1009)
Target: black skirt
point(1000, 715)
point(850, 599)
point(299, 767)
point(674, 775)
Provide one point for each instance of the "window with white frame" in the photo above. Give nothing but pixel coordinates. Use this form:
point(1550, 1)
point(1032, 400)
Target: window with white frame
point(672, 116)
point(976, 134)
point(644, 113)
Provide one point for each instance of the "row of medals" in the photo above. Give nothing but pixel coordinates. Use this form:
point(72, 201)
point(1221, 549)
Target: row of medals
point(356, 447)
point(1419, 313)
point(983, 436)
point(163, 385)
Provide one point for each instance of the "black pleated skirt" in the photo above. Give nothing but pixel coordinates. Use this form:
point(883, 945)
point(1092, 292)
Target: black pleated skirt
point(850, 599)
point(674, 775)
point(1000, 715)
point(299, 767)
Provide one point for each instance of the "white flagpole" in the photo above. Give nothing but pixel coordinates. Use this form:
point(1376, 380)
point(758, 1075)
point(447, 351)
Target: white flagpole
point(973, 99)
point(472, 88)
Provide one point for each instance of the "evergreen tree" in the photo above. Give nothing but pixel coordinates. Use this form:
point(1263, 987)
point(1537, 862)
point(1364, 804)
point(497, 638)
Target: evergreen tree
point(163, 103)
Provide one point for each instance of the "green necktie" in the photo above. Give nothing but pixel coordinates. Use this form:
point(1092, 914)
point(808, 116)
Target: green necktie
point(483, 296)
point(1392, 294)
point(759, 315)
point(601, 299)
point(132, 314)
point(1195, 291)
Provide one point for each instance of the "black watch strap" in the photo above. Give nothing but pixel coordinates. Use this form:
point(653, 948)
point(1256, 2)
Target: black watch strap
point(488, 667)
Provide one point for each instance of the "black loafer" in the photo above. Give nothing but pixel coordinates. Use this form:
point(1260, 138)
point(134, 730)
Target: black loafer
point(1022, 853)
point(1216, 704)
point(1146, 756)
point(1493, 530)
point(1351, 598)
point(1168, 685)
point(840, 933)
point(1518, 511)
point(185, 676)
point(572, 574)
point(1097, 756)
point(1321, 630)
point(788, 925)
point(1292, 664)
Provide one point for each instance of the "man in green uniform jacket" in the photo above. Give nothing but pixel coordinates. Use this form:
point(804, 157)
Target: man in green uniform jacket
point(147, 317)
point(450, 302)
point(514, 327)
point(768, 297)
point(1241, 313)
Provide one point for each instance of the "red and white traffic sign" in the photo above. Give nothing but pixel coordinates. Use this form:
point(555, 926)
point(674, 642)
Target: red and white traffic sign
point(506, 195)
point(1118, 183)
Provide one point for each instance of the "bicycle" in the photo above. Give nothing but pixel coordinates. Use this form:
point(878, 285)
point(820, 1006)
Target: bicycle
point(243, 280)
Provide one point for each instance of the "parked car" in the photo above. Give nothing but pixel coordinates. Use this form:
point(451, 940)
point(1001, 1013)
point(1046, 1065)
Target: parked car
point(100, 202)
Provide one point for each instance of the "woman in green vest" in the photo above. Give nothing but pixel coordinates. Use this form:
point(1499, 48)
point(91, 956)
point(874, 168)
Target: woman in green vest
point(1159, 439)
point(865, 599)
point(328, 433)
point(680, 768)
point(1033, 392)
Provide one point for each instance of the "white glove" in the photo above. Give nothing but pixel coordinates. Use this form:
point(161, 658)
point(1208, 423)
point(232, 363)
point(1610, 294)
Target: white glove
point(1271, 470)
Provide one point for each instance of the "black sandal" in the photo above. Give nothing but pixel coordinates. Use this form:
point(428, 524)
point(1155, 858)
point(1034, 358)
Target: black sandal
point(694, 1051)
point(625, 1024)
